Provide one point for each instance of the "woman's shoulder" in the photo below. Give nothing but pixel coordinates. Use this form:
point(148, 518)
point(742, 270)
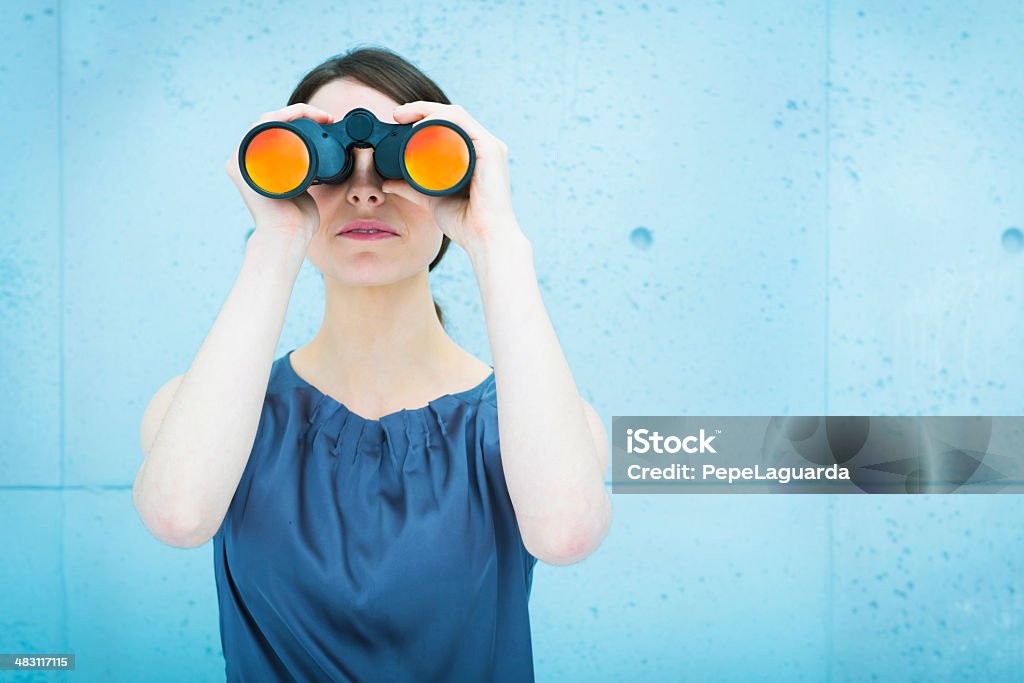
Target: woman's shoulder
point(477, 378)
point(480, 375)
point(485, 390)
point(282, 377)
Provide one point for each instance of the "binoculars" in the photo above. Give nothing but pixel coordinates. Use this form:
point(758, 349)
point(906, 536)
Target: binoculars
point(280, 159)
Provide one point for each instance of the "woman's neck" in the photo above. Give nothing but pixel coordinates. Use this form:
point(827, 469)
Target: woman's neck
point(382, 341)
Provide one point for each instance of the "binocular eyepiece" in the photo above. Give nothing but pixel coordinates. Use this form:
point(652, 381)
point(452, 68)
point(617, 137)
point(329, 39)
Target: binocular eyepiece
point(280, 159)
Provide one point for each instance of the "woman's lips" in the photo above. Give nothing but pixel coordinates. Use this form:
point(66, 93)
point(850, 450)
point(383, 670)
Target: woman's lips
point(367, 230)
point(356, 235)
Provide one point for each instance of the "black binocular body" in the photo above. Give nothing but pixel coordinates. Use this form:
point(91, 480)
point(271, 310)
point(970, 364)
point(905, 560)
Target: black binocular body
point(280, 159)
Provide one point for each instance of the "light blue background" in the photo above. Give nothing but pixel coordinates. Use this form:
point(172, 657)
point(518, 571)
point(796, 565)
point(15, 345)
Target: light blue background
point(825, 185)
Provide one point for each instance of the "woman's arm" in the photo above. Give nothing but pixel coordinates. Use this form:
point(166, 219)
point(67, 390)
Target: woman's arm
point(199, 428)
point(554, 448)
point(553, 445)
point(198, 451)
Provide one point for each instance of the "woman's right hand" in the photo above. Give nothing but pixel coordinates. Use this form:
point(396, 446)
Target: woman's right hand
point(293, 216)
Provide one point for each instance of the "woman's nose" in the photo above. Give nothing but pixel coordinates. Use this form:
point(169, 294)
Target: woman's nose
point(364, 182)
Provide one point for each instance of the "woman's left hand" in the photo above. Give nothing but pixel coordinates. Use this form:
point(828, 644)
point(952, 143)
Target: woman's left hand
point(487, 214)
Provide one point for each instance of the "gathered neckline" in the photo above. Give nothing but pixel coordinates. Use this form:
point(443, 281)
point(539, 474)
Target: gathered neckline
point(464, 395)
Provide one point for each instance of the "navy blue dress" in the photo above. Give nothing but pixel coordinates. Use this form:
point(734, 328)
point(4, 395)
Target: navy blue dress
point(373, 550)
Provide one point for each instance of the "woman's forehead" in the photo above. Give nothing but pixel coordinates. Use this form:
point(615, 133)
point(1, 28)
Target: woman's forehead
point(342, 96)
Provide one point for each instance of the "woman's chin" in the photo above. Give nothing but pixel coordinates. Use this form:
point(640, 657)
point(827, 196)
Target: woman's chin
point(356, 274)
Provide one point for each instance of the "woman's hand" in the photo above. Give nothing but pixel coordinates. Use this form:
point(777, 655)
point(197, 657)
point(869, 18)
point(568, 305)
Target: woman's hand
point(295, 216)
point(487, 214)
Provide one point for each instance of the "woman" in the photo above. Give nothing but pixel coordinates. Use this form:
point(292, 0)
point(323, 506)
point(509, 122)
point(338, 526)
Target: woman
point(368, 522)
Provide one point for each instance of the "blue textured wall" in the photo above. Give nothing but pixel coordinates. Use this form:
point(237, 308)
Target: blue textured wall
point(785, 207)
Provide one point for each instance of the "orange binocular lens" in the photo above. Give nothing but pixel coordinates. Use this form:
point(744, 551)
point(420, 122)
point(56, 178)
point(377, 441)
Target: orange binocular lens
point(277, 160)
point(436, 157)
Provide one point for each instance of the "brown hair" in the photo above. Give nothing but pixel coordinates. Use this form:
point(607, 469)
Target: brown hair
point(383, 70)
